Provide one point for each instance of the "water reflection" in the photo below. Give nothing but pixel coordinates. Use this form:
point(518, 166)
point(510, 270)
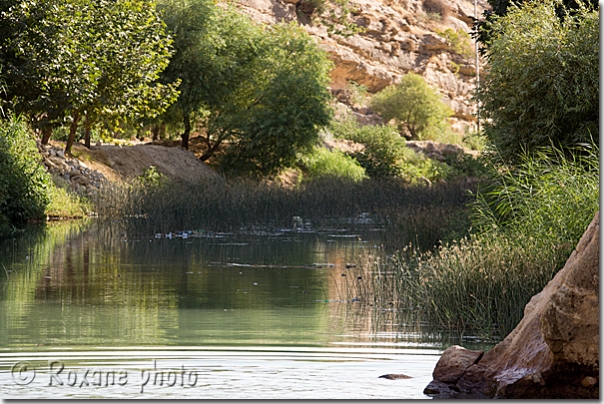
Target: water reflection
point(72, 284)
point(72, 287)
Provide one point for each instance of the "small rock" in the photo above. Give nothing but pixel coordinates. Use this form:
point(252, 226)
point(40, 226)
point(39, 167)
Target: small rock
point(589, 381)
point(394, 376)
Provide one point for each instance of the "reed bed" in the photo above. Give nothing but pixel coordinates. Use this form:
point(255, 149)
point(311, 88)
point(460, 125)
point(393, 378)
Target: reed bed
point(527, 224)
point(405, 212)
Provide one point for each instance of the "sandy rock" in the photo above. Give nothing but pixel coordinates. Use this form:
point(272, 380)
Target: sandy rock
point(454, 362)
point(343, 145)
point(554, 350)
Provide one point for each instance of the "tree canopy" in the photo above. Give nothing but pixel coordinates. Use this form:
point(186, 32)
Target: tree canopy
point(260, 93)
point(68, 59)
point(541, 87)
point(416, 107)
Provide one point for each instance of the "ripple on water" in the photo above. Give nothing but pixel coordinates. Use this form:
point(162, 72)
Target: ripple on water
point(222, 372)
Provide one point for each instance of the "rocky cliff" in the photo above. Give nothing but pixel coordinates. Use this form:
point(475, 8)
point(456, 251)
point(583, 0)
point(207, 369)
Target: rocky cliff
point(554, 350)
point(396, 37)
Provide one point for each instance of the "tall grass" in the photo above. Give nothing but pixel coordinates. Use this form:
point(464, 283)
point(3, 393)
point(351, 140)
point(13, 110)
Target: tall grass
point(527, 224)
point(221, 205)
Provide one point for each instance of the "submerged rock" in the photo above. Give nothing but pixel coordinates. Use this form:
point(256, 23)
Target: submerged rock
point(554, 350)
point(394, 376)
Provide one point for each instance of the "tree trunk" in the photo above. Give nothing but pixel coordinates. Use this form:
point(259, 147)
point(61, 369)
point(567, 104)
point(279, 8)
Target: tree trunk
point(72, 131)
point(46, 134)
point(87, 131)
point(210, 152)
point(187, 132)
point(155, 132)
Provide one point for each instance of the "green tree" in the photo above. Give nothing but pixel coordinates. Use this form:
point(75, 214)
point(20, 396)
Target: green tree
point(213, 50)
point(542, 83)
point(260, 93)
point(65, 60)
point(482, 29)
point(279, 107)
point(416, 107)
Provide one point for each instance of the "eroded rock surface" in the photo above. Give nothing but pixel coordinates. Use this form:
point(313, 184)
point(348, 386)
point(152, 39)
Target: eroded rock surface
point(398, 37)
point(554, 350)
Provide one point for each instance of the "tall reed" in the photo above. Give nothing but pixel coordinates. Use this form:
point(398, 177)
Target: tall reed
point(527, 225)
point(221, 205)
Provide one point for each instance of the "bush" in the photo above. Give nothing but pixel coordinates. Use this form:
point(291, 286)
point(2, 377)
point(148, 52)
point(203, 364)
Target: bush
point(542, 84)
point(459, 41)
point(383, 147)
point(64, 204)
point(24, 182)
point(416, 107)
point(321, 163)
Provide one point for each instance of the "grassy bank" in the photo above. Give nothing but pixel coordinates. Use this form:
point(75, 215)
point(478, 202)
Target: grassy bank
point(526, 224)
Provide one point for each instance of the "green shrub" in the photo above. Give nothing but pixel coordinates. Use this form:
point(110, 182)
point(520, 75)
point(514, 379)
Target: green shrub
point(459, 41)
point(417, 168)
point(416, 107)
point(321, 163)
point(24, 182)
point(542, 85)
point(383, 147)
point(63, 204)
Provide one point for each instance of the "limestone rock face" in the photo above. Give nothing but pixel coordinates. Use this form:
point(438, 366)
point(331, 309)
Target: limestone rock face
point(554, 350)
point(399, 36)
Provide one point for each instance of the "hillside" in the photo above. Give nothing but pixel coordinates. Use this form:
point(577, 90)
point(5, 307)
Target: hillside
point(399, 36)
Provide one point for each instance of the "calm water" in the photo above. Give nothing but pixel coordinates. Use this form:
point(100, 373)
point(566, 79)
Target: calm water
point(257, 315)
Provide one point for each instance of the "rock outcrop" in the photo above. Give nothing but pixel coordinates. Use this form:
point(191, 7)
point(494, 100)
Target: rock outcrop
point(77, 175)
point(397, 37)
point(554, 350)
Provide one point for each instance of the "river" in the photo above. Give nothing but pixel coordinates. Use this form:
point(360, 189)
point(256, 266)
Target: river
point(260, 314)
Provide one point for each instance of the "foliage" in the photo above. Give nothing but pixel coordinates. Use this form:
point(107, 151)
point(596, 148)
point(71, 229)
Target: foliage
point(200, 44)
point(358, 93)
point(416, 107)
point(526, 226)
point(321, 163)
point(459, 41)
point(383, 148)
point(277, 110)
point(24, 182)
point(260, 93)
point(385, 154)
point(64, 204)
point(482, 29)
point(151, 178)
point(530, 101)
point(65, 60)
point(335, 15)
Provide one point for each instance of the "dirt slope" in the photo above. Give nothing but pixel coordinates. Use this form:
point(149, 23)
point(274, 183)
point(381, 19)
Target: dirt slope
point(118, 163)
